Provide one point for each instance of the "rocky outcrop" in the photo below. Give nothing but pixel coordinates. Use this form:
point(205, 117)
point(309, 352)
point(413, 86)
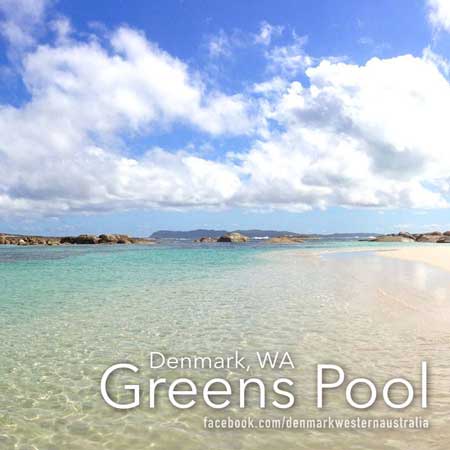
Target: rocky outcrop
point(432, 237)
point(6, 239)
point(286, 240)
point(108, 238)
point(115, 239)
point(393, 238)
point(142, 241)
point(82, 239)
point(233, 237)
point(206, 240)
point(407, 235)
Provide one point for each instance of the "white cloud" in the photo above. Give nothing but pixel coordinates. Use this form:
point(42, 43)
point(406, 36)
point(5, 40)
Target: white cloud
point(21, 19)
point(222, 44)
point(275, 85)
point(290, 59)
point(439, 14)
point(219, 45)
point(62, 28)
point(61, 150)
point(373, 135)
point(136, 87)
point(439, 61)
point(267, 32)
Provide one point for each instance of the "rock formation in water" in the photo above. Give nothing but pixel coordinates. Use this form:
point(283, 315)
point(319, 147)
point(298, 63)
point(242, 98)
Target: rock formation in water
point(233, 237)
point(206, 240)
point(240, 238)
point(286, 240)
point(82, 239)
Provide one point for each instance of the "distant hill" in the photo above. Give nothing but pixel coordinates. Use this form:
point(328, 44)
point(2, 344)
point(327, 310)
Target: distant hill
point(196, 234)
point(192, 234)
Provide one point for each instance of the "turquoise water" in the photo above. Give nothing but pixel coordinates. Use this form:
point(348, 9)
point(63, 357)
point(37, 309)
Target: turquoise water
point(68, 313)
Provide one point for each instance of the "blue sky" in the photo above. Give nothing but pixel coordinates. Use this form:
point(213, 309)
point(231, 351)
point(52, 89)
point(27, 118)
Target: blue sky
point(133, 116)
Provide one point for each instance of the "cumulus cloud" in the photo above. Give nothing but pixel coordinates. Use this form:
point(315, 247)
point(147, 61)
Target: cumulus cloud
point(439, 14)
point(371, 135)
point(61, 150)
point(137, 86)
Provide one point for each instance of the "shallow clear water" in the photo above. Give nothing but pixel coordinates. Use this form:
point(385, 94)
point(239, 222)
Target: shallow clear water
point(68, 313)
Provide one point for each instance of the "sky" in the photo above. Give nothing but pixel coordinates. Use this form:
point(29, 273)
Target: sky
point(133, 116)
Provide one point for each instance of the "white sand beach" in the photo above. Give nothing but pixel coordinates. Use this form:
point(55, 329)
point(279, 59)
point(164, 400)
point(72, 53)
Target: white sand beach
point(436, 255)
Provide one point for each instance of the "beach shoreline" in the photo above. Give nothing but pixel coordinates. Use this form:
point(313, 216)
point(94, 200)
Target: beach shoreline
point(436, 256)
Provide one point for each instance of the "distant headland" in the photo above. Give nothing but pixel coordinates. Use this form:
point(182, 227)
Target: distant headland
point(252, 233)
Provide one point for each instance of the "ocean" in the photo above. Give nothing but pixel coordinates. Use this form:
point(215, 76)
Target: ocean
point(68, 313)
